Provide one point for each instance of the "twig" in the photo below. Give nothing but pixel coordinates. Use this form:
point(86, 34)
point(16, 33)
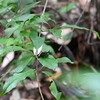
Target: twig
point(37, 76)
point(43, 14)
point(44, 7)
point(93, 69)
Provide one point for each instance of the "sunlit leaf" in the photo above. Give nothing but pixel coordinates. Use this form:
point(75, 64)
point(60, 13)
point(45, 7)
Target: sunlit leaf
point(47, 48)
point(11, 48)
point(25, 17)
point(8, 41)
point(49, 62)
point(54, 91)
point(23, 61)
point(15, 79)
point(37, 41)
point(64, 60)
point(9, 31)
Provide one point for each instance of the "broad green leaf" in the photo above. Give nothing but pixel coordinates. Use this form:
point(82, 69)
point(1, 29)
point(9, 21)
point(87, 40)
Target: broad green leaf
point(47, 48)
point(25, 17)
point(3, 41)
point(8, 41)
point(14, 48)
point(11, 48)
point(56, 32)
point(10, 31)
point(49, 62)
point(23, 61)
point(74, 26)
point(67, 8)
point(38, 20)
point(64, 60)
point(18, 33)
point(29, 46)
point(15, 79)
point(54, 91)
point(37, 41)
point(22, 64)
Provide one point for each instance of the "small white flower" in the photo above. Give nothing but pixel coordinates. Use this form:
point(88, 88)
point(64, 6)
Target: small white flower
point(37, 51)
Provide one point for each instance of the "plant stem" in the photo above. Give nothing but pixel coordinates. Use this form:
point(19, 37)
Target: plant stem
point(46, 2)
point(37, 76)
point(45, 6)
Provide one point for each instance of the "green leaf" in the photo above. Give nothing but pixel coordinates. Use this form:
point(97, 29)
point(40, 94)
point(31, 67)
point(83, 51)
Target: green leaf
point(23, 61)
point(67, 8)
point(29, 46)
point(7, 49)
point(3, 41)
point(47, 48)
point(8, 41)
point(54, 91)
point(15, 79)
point(25, 17)
point(56, 32)
point(64, 60)
point(74, 26)
point(37, 41)
point(38, 20)
point(10, 31)
point(49, 62)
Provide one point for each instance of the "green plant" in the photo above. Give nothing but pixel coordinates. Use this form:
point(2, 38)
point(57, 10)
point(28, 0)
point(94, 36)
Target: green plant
point(23, 36)
point(21, 31)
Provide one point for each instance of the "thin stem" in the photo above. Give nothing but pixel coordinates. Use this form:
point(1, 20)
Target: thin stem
point(37, 76)
point(44, 7)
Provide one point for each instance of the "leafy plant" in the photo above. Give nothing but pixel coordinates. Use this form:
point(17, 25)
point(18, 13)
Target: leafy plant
point(22, 36)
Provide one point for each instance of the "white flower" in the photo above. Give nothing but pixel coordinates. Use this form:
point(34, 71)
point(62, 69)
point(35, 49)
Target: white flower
point(37, 51)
